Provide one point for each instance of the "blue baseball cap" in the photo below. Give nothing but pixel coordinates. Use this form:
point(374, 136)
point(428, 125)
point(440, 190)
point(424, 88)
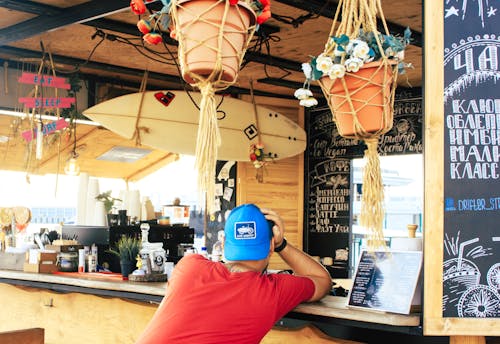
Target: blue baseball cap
point(247, 234)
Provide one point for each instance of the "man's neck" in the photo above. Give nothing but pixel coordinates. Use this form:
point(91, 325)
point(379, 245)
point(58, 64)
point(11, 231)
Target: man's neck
point(244, 267)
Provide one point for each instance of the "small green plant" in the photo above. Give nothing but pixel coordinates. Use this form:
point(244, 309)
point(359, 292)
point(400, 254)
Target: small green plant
point(127, 248)
point(107, 199)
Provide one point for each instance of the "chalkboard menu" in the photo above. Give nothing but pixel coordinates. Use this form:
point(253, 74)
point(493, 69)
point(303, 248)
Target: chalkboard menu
point(327, 196)
point(386, 281)
point(405, 137)
point(328, 174)
point(471, 262)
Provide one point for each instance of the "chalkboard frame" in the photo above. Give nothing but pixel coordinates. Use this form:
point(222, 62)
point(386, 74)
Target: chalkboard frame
point(434, 202)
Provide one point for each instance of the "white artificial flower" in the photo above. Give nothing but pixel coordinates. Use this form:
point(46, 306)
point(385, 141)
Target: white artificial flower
point(324, 63)
point(353, 64)
point(302, 93)
point(307, 69)
point(337, 71)
point(308, 102)
point(361, 49)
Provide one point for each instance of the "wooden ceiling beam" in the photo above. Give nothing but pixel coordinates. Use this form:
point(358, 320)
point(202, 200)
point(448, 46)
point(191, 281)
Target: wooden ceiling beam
point(30, 7)
point(20, 53)
point(71, 15)
point(154, 166)
point(67, 147)
point(328, 8)
point(43, 10)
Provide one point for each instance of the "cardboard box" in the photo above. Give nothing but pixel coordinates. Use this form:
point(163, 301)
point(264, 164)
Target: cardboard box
point(12, 261)
point(46, 263)
point(64, 248)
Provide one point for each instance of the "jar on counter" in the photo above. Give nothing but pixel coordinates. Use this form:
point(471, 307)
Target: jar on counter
point(67, 261)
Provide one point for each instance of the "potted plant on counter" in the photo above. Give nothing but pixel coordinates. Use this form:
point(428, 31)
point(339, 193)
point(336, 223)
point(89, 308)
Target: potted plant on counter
point(127, 249)
point(108, 201)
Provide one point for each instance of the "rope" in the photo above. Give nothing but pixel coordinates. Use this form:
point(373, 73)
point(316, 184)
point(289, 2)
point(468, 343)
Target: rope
point(207, 143)
point(259, 173)
point(372, 199)
point(255, 114)
point(357, 97)
point(138, 129)
point(226, 47)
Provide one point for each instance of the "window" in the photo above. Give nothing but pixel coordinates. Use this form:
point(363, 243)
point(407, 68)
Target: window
point(402, 176)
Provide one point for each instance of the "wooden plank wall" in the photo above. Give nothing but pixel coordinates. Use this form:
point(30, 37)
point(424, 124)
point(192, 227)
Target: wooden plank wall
point(283, 186)
point(81, 318)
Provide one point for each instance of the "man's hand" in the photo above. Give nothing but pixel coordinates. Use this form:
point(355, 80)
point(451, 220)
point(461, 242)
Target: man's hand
point(278, 228)
point(301, 263)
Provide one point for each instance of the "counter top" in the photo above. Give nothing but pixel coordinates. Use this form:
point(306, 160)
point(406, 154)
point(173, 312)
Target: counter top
point(328, 307)
point(87, 280)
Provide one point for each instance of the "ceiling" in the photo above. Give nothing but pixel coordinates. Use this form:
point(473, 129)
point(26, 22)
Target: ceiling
point(99, 39)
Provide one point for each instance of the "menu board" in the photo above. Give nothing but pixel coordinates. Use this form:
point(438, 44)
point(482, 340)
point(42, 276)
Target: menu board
point(471, 262)
point(405, 136)
point(386, 281)
point(328, 201)
point(328, 172)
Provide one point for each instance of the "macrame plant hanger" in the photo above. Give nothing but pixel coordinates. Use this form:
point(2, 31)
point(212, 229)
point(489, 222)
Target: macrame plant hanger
point(355, 94)
point(213, 37)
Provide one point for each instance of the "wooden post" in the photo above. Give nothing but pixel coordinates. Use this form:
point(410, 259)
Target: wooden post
point(441, 181)
point(467, 340)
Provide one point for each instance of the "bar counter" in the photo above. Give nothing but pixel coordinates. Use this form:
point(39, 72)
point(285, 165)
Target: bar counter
point(96, 291)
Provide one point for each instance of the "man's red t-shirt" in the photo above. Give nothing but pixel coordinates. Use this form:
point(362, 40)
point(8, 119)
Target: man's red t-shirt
point(206, 303)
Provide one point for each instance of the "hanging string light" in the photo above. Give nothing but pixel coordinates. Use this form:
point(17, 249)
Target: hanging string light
point(39, 140)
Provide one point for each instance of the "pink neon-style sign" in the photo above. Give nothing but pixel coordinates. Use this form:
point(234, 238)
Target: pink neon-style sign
point(53, 102)
point(44, 80)
point(47, 129)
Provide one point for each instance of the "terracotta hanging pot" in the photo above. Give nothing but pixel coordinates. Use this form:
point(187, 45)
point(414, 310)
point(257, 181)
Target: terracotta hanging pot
point(212, 44)
point(362, 102)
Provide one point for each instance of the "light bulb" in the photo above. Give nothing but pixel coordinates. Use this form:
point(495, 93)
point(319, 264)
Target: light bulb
point(72, 168)
point(39, 141)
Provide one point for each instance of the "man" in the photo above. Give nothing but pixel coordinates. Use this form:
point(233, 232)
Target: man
point(236, 301)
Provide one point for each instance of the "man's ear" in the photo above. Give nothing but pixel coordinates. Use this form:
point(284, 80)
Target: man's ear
point(271, 247)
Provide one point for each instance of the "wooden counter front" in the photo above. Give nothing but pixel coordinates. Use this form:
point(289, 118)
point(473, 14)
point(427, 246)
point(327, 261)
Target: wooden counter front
point(82, 308)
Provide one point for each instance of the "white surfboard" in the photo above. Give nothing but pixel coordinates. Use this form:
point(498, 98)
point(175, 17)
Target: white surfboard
point(172, 122)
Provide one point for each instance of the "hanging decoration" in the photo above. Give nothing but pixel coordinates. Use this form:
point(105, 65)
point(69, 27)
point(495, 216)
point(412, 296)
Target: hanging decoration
point(43, 98)
point(152, 27)
point(213, 36)
point(40, 129)
point(257, 155)
point(357, 72)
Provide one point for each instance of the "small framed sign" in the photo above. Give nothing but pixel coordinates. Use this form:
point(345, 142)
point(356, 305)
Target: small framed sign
point(385, 281)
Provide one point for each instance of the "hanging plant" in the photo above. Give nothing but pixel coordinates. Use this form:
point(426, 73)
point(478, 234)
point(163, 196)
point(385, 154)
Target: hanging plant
point(357, 72)
point(213, 37)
